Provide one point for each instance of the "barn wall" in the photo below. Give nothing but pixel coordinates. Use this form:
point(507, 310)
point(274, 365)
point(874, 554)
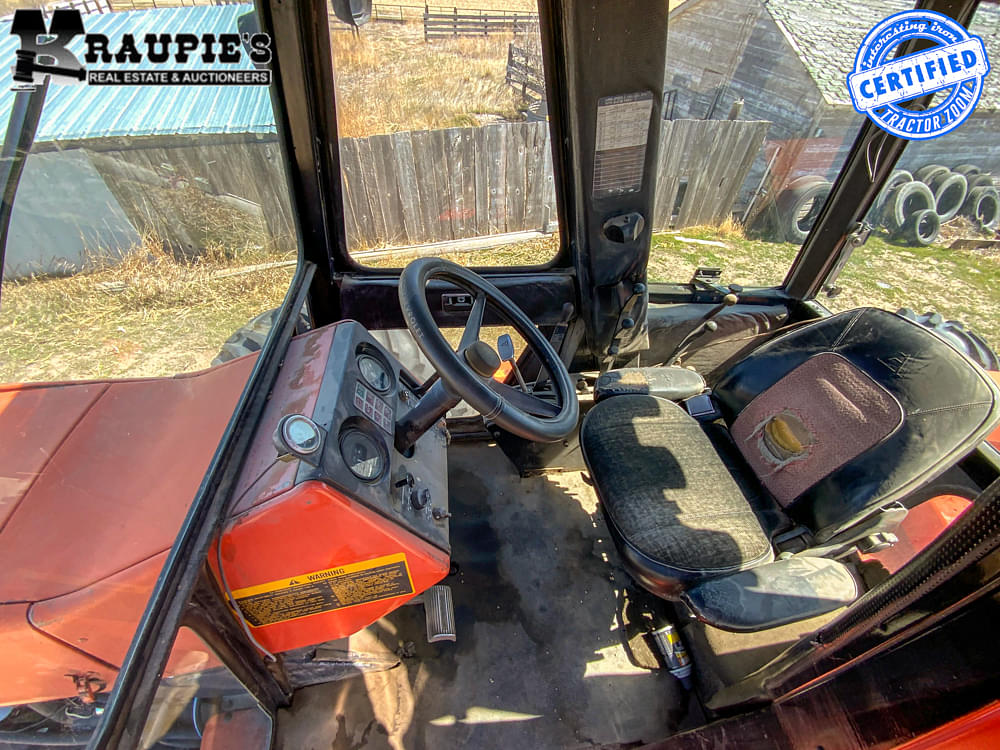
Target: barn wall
point(719, 51)
point(975, 142)
point(735, 44)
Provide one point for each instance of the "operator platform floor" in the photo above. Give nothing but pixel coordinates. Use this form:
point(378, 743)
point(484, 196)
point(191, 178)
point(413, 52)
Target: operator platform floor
point(540, 661)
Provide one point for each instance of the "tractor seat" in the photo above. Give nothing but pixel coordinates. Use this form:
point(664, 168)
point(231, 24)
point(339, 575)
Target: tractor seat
point(831, 423)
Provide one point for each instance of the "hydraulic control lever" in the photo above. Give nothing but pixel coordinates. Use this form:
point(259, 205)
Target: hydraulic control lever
point(706, 325)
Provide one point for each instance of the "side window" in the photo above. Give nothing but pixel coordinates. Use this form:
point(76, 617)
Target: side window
point(757, 123)
point(140, 242)
point(934, 246)
point(444, 140)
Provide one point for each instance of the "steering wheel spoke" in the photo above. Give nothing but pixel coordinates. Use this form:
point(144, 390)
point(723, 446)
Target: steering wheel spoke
point(524, 401)
point(466, 373)
point(475, 323)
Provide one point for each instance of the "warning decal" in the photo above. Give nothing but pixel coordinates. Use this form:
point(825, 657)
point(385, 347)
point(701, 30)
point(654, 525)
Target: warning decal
point(325, 590)
point(620, 152)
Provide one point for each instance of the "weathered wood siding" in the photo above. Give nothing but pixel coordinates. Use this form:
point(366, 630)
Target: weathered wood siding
point(710, 159)
point(719, 51)
point(400, 189)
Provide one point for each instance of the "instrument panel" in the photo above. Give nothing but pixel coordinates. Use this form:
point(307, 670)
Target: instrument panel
point(364, 392)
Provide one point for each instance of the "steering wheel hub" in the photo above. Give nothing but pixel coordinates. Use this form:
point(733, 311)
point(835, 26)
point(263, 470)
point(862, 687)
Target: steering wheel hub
point(467, 373)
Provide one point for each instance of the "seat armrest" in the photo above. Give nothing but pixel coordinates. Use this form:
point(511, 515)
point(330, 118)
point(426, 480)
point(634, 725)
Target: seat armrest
point(775, 594)
point(671, 383)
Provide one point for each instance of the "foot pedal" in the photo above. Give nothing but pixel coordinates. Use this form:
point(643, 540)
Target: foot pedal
point(439, 612)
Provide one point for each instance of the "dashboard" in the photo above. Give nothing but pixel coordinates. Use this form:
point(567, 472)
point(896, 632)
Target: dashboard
point(347, 441)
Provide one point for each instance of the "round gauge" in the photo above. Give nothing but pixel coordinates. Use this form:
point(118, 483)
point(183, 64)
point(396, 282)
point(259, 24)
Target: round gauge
point(301, 434)
point(363, 454)
point(374, 373)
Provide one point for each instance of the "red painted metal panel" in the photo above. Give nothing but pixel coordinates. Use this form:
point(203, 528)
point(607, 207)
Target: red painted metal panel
point(977, 730)
point(35, 666)
point(994, 438)
point(295, 393)
point(101, 619)
point(315, 528)
point(114, 491)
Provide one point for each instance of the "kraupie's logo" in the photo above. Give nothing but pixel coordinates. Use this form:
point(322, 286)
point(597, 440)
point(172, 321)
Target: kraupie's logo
point(879, 86)
point(44, 53)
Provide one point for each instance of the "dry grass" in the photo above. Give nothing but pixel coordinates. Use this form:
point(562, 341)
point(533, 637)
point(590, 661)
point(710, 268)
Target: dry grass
point(529, 253)
point(151, 315)
point(170, 316)
point(390, 80)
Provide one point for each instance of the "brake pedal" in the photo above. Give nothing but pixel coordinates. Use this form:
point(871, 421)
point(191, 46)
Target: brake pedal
point(439, 613)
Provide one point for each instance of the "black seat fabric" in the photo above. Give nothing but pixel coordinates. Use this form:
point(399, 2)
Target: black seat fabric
point(773, 595)
point(837, 419)
point(674, 510)
point(949, 405)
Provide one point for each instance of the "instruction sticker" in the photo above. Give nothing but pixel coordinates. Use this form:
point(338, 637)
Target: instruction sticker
point(325, 590)
point(620, 152)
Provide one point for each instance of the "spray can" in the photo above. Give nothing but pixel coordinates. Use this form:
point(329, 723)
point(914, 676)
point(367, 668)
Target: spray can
point(669, 642)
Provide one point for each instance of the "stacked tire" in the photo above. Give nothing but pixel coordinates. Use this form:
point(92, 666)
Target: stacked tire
point(912, 207)
point(798, 206)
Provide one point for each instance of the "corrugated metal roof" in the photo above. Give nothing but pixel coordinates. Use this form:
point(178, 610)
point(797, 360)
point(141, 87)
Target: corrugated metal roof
point(78, 112)
point(826, 36)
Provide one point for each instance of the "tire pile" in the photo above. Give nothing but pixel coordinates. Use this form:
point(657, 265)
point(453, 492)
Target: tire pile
point(797, 207)
point(912, 207)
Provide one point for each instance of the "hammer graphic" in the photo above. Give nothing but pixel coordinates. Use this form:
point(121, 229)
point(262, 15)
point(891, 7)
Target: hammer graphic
point(26, 65)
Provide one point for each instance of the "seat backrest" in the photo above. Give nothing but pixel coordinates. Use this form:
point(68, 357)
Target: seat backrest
point(846, 414)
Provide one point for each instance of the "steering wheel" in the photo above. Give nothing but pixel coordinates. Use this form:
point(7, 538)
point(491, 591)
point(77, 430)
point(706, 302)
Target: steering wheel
point(467, 373)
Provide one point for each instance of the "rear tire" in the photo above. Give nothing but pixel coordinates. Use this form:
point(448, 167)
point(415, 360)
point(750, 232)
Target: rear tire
point(956, 334)
point(249, 338)
point(903, 201)
point(922, 227)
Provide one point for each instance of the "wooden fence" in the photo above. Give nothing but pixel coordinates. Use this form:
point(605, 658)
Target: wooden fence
point(433, 185)
point(703, 164)
point(440, 24)
point(525, 72)
point(430, 186)
point(400, 189)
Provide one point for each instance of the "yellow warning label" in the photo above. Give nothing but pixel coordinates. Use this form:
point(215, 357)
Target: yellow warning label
point(325, 590)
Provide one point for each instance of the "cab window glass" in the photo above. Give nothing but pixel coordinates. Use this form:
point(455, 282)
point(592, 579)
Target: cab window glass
point(151, 223)
point(444, 143)
point(757, 123)
point(933, 248)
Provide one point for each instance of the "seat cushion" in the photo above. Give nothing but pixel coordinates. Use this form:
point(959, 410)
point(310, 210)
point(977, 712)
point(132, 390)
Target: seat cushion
point(673, 508)
point(773, 595)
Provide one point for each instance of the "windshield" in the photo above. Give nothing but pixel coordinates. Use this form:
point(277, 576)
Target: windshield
point(444, 144)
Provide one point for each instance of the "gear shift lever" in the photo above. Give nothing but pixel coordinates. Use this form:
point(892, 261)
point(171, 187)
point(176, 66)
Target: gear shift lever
point(707, 324)
point(505, 347)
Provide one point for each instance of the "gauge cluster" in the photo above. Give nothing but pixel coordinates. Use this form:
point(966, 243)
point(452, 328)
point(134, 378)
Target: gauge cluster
point(364, 392)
